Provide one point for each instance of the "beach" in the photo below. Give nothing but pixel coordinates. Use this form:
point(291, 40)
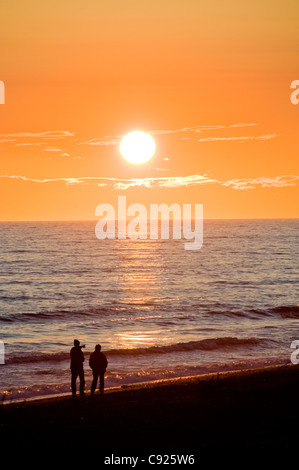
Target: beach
point(250, 411)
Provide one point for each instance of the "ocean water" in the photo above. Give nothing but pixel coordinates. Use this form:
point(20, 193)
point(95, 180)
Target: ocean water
point(158, 310)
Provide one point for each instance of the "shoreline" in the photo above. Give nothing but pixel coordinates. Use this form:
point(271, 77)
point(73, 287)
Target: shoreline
point(251, 409)
point(147, 384)
point(7, 398)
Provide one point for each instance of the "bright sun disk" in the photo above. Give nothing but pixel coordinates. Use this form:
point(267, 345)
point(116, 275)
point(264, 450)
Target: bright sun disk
point(137, 147)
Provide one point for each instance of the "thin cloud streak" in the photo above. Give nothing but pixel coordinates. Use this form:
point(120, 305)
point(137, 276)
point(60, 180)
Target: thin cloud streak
point(168, 182)
point(70, 180)
point(122, 183)
point(263, 182)
point(30, 144)
point(52, 134)
point(164, 182)
point(109, 140)
point(184, 129)
point(240, 139)
point(105, 141)
point(201, 128)
point(115, 140)
point(243, 124)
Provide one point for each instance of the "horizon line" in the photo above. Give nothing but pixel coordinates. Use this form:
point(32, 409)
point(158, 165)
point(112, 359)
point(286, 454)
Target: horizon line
point(96, 220)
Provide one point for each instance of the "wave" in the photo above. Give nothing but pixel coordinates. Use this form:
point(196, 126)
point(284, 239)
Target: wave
point(209, 344)
point(54, 315)
point(286, 311)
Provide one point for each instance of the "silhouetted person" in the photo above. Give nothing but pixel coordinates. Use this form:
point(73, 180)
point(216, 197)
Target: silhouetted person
point(98, 363)
point(77, 359)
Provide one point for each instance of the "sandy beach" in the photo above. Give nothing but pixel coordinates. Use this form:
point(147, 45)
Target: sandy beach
point(249, 410)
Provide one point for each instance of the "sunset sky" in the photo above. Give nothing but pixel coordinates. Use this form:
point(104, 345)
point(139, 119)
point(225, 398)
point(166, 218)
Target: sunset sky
point(209, 80)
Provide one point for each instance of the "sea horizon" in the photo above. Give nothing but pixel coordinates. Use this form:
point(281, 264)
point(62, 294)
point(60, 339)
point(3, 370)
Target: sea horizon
point(205, 219)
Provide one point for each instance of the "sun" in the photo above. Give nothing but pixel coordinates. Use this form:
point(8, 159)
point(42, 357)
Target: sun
point(137, 147)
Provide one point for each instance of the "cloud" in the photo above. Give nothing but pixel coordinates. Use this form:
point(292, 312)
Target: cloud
point(7, 140)
point(45, 134)
point(64, 154)
point(122, 183)
point(183, 129)
point(240, 139)
point(30, 144)
point(199, 128)
point(70, 180)
point(20, 139)
point(115, 140)
point(168, 181)
point(243, 124)
point(163, 182)
point(107, 140)
point(263, 182)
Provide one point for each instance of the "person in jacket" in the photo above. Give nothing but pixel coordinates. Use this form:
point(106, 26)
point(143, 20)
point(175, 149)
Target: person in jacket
point(98, 363)
point(77, 359)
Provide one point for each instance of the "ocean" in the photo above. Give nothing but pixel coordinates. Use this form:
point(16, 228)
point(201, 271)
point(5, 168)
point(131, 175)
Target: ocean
point(158, 310)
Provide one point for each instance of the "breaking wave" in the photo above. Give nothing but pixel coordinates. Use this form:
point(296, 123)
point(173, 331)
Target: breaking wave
point(203, 345)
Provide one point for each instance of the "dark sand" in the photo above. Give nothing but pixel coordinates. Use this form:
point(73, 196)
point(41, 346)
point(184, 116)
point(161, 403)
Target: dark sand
point(214, 414)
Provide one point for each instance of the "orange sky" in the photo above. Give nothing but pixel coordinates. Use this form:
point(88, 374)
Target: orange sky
point(209, 80)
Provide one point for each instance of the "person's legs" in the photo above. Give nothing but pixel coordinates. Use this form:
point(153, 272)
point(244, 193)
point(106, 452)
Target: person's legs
point(102, 384)
point(94, 382)
point(73, 383)
point(82, 381)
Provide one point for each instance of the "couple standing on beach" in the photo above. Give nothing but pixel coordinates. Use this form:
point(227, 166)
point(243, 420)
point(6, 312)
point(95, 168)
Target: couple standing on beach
point(97, 362)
